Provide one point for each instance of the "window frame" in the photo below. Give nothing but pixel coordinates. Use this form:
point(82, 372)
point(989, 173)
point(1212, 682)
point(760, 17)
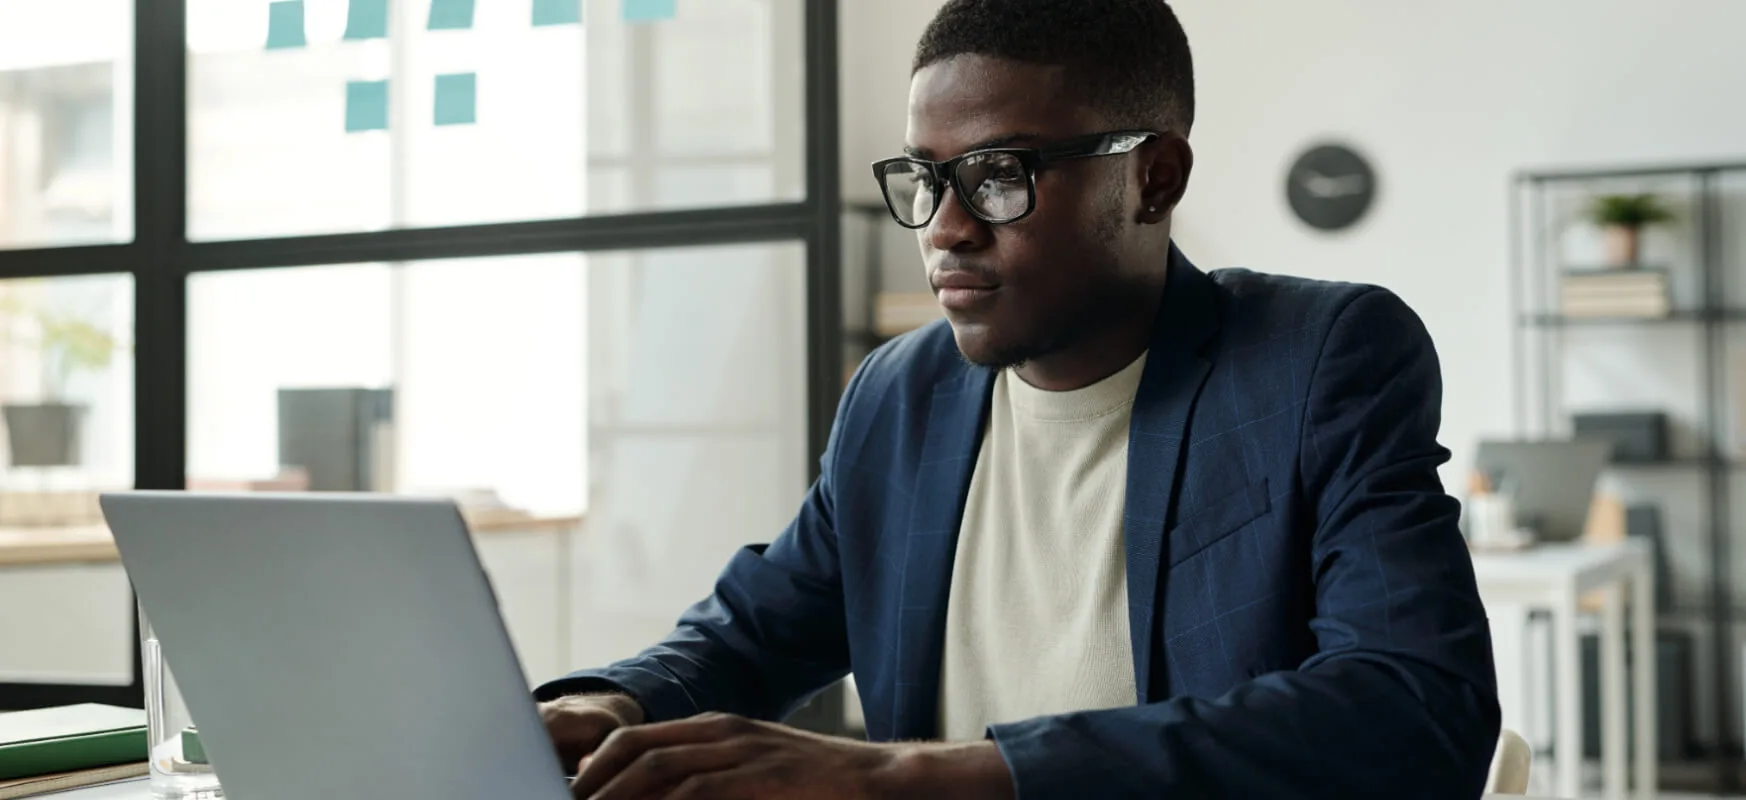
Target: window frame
point(161, 259)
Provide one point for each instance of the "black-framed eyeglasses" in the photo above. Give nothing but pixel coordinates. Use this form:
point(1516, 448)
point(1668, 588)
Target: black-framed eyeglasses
point(997, 185)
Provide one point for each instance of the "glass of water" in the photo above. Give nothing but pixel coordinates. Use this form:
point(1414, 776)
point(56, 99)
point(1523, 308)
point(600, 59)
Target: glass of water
point(179, 769)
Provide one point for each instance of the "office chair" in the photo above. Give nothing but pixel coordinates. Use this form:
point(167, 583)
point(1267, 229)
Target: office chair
point(1509, 766)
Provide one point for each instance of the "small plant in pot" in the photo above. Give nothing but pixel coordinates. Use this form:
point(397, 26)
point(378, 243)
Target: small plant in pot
point(1622, 218)
point(49, 433)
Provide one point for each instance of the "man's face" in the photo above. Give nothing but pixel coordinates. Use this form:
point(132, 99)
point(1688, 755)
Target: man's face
point(1021, 290)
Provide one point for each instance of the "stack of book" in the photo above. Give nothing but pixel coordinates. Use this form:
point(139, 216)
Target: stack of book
point(54, 749)
point(1740, 403)
point(1616, 293)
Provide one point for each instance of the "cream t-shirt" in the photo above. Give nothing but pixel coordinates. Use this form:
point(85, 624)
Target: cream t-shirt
point(1037, 621)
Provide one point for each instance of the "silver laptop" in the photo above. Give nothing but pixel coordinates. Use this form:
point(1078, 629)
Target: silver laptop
point(1552, 481)
point(336, 646)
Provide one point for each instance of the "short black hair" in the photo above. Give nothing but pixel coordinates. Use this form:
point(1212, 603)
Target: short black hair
point(1130, 55)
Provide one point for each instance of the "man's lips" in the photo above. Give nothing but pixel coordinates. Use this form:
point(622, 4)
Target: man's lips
point(962, 280)
point(965, 300)
point(963, 291)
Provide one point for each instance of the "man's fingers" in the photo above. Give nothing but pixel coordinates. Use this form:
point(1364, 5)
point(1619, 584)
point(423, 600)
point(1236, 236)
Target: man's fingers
point(626, 745)
point(658, 770)
point(730, 784)
point(576, 736)
point(578, 726)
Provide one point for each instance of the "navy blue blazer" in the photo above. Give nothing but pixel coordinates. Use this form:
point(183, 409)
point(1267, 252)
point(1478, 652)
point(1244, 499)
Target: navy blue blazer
point(1303, 609)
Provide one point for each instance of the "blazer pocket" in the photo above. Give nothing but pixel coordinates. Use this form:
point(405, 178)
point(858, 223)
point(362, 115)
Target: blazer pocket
point(1218, 519)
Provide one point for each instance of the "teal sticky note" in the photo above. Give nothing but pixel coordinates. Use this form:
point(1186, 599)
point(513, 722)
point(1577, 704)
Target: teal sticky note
point(367, 19)
point(649, 10)
point(285, 24)
point(456, 99)
point(450, 15)
point(557, 12)
point(366, 106)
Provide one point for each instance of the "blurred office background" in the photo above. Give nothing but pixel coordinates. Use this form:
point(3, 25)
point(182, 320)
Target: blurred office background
point(597, 269)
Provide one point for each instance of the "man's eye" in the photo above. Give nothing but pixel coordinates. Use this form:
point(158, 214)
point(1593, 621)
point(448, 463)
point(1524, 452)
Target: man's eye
point(921, 181)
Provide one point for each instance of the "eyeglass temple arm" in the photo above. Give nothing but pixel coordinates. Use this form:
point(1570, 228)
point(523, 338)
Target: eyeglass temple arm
point(1104, 145)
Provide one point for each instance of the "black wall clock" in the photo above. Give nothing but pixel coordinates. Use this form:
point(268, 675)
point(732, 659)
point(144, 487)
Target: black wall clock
point(1330, 187)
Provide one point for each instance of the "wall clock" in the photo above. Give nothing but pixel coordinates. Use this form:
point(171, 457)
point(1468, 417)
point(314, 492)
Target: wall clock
point(1330, 187)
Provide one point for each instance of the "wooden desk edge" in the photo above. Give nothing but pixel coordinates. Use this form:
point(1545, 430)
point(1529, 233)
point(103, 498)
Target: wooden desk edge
point(92, 545)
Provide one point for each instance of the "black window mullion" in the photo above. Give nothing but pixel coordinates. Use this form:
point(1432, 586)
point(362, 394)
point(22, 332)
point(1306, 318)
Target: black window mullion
point(824, 305)
point(160, 192)
point(824, 312)
point(62, 262)
point(160, 207)
point(701, 227)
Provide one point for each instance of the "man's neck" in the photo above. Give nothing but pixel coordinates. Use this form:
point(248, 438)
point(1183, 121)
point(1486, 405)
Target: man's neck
point(1098, 354)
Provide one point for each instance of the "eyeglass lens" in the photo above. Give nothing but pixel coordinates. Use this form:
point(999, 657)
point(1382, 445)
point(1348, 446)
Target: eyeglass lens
point(995, 185)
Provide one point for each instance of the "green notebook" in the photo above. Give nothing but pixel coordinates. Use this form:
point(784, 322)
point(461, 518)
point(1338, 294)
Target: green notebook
point(66, 738)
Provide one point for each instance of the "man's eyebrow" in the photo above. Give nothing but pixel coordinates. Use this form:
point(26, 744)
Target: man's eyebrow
point(998, 141)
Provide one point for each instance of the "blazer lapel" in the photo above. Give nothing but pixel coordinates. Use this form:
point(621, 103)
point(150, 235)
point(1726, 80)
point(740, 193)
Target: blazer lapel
point(954, 434)
point(1175, 372)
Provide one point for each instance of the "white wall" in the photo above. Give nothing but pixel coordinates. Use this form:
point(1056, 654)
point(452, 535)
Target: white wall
point(878, 41)
point(1448, 99)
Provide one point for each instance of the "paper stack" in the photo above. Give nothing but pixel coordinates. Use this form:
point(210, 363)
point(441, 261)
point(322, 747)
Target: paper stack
point(1631, 293)
point(50, 749)
point(64, 781)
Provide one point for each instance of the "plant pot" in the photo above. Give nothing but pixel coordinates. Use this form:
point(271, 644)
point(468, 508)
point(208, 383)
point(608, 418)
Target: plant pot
point(45, 434)
point(1623, 245)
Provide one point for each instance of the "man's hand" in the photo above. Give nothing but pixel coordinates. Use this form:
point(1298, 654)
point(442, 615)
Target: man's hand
point(579, 723)
point(723, 757)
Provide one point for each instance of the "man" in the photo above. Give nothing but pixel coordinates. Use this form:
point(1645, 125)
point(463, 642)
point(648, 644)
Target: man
point(1118, 528)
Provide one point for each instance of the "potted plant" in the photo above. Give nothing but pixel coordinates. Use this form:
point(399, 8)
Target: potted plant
point(49, 433)
point(1622, 218)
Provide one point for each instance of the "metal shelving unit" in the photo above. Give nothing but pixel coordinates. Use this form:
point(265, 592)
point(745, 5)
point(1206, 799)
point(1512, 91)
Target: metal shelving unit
point(1539, 343)
point(873, 216)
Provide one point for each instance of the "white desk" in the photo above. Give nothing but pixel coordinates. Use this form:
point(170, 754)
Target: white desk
point(128, 790)
point(136, 790)
point(1553, 578)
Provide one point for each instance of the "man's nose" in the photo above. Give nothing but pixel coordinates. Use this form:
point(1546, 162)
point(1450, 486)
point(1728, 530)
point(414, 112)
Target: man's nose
point(954, 227)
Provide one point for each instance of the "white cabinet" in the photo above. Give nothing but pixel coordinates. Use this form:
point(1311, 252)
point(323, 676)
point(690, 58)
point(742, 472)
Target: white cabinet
point(71, 622)
point(66, 623)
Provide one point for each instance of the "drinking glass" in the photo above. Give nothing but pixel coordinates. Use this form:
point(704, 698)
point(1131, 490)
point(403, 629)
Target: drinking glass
point(179, 769)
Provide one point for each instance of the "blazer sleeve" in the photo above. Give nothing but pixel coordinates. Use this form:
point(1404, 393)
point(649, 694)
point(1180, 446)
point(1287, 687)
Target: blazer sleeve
point(769, 637)
point(1400, 699)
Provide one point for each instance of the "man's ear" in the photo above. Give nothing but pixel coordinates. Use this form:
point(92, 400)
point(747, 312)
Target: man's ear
point(1165, 164)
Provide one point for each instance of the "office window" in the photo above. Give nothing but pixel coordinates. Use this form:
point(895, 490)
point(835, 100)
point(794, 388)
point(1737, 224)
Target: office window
point(617, 421)
point(66, 137)
point(696, 426)
point(66, 434)
point(657, 395)
point(303, 119)
point(66, 396)
point(461, 377)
